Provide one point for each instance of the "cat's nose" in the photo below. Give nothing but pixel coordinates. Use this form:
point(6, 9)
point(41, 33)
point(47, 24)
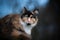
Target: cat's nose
point(29, 19)
point(28, 24)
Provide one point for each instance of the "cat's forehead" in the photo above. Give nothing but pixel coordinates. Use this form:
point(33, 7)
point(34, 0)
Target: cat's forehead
point(28, 13)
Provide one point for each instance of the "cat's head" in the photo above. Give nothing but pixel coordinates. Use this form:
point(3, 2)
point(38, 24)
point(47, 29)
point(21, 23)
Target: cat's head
point(29, 18)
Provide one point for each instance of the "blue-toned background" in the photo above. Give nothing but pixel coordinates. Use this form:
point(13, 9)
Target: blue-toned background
point(15, 6)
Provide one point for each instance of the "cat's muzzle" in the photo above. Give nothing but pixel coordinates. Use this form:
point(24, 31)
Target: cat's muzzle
point(28, 24)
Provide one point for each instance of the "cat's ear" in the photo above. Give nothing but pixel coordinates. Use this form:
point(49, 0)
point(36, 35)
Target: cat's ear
point(35, 11)
point(24, 10)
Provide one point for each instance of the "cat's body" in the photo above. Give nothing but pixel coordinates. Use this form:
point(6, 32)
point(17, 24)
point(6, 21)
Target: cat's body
point(18, 26)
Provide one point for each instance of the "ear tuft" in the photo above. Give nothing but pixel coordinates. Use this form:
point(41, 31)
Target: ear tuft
point(24, 10)
point(35, 11)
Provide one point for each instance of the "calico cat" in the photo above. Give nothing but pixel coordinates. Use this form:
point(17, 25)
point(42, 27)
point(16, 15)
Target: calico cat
point(29, 20)
point(18, 26)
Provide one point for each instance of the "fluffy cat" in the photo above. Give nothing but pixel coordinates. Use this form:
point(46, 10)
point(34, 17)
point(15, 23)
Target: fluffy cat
point(18, 26)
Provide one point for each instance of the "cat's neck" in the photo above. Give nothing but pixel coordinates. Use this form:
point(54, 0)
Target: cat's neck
point(27, 29)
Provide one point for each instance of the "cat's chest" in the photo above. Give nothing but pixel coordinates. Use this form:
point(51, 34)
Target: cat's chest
point(27, 29)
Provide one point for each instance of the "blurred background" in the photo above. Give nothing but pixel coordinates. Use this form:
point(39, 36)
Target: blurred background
point(15, 6)
point(48, 27)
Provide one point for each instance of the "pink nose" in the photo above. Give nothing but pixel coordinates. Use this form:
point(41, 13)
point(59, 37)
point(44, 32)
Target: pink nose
point(29, 19)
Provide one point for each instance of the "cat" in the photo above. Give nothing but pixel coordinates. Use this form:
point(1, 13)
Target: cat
point(19, 25)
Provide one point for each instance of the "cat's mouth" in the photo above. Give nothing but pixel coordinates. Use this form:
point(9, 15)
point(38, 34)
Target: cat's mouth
point(28, 24)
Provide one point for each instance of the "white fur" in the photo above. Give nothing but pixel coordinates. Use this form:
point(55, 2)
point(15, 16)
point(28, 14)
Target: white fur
point(27, 28)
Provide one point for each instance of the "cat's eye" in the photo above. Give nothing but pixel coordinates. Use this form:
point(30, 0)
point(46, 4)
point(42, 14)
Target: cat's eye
point(26, 15)
point(31, 17)
point(34, 17)
point(25, 18)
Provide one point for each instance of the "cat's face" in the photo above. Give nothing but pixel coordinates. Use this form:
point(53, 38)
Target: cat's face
point(29, 18)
